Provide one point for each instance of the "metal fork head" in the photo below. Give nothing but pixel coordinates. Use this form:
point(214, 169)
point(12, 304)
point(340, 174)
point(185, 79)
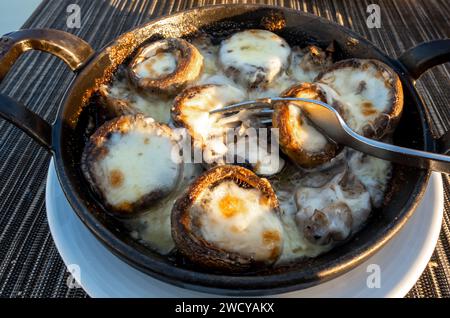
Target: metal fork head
point(328, 121)
point(323, 116)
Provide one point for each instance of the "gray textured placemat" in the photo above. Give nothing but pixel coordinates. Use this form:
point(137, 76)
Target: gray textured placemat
point(30, 265)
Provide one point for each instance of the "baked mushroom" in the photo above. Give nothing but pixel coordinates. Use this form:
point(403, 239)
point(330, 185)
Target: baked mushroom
point(165, 66)
point(299, 140)
point(332, 212)
point(368, 94)
point(128, 163)
point(253, 57)
point(228, 220)
point(306, 63)
point(191, 110)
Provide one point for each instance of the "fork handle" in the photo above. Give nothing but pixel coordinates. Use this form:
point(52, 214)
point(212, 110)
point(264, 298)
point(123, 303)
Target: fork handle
point(400, 155)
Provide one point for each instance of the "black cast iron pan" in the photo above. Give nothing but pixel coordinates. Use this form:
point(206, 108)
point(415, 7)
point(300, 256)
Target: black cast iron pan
point(62, 138)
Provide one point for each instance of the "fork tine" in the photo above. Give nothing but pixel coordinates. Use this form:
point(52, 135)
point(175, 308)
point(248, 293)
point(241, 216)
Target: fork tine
point(261, 109)
point(247, 105)
point(266, 121)
point(232, 121)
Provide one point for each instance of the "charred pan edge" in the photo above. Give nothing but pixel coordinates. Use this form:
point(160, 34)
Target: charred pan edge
point(189, 67)
point(288, 143)
point(194, 247)
point(387, 121)
point(96, 149)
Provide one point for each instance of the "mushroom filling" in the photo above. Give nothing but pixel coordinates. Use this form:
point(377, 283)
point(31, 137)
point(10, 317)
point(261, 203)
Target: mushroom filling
point(306, 63)
point(238, 220)
point(254, 57)
point(332, 212)
point(128, 186)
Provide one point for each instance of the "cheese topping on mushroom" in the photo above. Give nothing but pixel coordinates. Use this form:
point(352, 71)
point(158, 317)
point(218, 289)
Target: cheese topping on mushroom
point(126, 185)
point(191, 108)
point(165, 66)
point(239, 220)
point(254, 57)
point(156, 66)
point(367, 94)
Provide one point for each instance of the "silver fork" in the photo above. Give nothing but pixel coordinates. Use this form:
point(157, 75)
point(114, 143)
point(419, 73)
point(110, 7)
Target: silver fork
point(327, 120)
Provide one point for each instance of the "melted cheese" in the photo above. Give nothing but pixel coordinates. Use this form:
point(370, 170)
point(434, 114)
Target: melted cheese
point(156, 66)
point(257, 55)
point(153, 227)
point(305, 134)
point(274, 88)
point(195, 110)
point(124, 181)
point(250, 149)
point(295, 245)
point(153, 106)
point(239, 220)
point(209, 53)
point(311, 199)
point(374, 173)
point(150, 105)
point(302, 66)
point(363, 94)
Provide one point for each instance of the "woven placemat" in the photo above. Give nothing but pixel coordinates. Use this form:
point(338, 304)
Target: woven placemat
point(30, 265)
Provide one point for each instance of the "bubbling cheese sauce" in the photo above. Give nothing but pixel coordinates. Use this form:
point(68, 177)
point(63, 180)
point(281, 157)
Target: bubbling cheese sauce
point(153, 227)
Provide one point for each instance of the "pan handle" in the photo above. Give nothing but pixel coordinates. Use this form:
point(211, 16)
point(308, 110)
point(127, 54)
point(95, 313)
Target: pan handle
point(419, 59)
point(74, 51)
point(424, 56)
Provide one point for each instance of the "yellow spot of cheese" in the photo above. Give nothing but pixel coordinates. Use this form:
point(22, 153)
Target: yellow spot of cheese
point(230, 206)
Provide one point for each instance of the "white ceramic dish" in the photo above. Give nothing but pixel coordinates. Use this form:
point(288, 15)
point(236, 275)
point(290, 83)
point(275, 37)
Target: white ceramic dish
point(102, 274)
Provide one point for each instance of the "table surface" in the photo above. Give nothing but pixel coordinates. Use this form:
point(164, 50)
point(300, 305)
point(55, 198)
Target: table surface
point(30, 265)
